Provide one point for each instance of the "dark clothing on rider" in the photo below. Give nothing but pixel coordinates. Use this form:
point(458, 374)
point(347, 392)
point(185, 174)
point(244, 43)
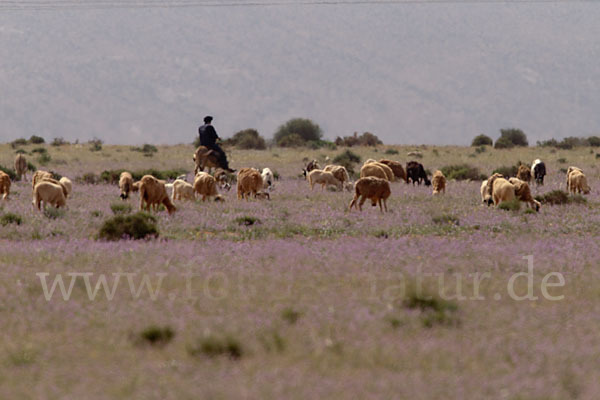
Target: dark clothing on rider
point(208, 138)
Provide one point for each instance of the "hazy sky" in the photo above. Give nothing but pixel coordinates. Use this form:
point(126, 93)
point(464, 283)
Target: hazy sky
point(410, 73)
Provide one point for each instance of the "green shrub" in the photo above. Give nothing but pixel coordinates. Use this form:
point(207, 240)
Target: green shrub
point(20, 151)
point(89, 178)
point(305, 129)
point(434, 309)
point(594, 141)
point(212, 346)
point(132, 226)
point(514, 136)
point(481, 140)
point(157, 336)
point(247, 220)
point(347, 159)
point(445, 219)
point(480, 149)
point(462, 172)
point(44, 159)
point(290, 315)
point(121, 208)
point(291, 140)
point(513, 205)
point(18, 142)
point(11, 218)
point(10, 172)
point(507, 171)
point(58, 141)
point(391, 152)
point(36, 140)
point(147, 149)
point(247, 139)
point(503, 143)
point(31, 167)
point(54, 213)
point(95, 144)
point(562, 160)
point(554, 197)
point(366, 139)
point(41, 150)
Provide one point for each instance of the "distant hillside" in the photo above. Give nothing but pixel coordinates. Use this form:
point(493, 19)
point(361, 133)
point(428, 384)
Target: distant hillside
point(429, 73)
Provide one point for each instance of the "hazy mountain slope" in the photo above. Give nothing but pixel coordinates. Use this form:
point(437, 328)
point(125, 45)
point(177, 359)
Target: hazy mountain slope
point(409, 73)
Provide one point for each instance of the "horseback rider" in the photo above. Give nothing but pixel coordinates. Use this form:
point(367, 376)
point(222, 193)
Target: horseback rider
point(208, 138)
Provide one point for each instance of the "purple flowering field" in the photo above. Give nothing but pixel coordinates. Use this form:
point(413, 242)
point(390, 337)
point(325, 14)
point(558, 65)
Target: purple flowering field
point(440, 298)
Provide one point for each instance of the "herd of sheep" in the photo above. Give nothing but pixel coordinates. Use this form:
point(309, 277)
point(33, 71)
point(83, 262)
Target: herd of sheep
point(373, 184)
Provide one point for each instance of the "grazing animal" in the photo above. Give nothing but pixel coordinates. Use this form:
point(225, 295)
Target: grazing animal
point(153, 193)
point(523, 193)
point(439, 182)
point(67, 184)
point(416, 173)
point(485, 198)
point(183, 190)
point(262, 195)
point(205, 158)
point(388, 171)
point(524, 173)
point(538, 171)
point(21, 167)
point(313, 164)
point(249, 181)
point(39, 176)
point(397, 169)
point(578, 183)
point(223, 178)
point(323, 178)
point(571, 169)
point(267, 177)
point(4, 185)
point(49, 193)
point(502, 190)
point(375, 189)
point(205, 185)
point(373, 170)
point(126, 184)
point(339, 171)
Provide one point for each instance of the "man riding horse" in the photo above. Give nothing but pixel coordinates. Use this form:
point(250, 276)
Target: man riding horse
point(208, 138)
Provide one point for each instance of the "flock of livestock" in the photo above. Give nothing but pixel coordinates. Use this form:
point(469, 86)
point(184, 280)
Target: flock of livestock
point(373, 184)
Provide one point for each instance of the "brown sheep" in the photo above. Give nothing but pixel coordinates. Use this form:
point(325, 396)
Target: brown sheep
point(39, 176)
point(323, 178)
point(375, 189)
point(524, 173)
point(183, 190)
point(502, 190)
point(4, 185)
point(523, 193)
point(388, 171)
point(483, 190)
point(67, 184)
point(439, 182)
point(21, 167)
point(125, 184)
point(571, 169)
point(153, 193)
point(205, 185)
point(578, 183)
point(373, 170)
point(203, 158)
point(339, 172)
point(487, 194)
point(249, 181)
point(49, 193)
point(396, 168)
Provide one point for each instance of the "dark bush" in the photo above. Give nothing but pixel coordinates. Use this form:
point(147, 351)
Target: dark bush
point(58, 142)
point(347, 159)
point(247, 139)
point(12, 174)
point(366, 139)
point(147, 149)
point(462, 172)
point(133, 226)
point(31, 167)
point(44, 159)
point(513, 205)
point(503, 143)
point(554, 197)
point(95, 144)
point(20, 151)
point(445, 219)
point(36, 140)
point(507, 172)
point(594, 141)
point(391, 152)
point(157, 336)
point(481, 140)
point(212, 346)
point(306, 129)
point(89, 178)
point(11, 218)
point(515, 136)
point(18, 142)
point(41, 150)
point(292, 140)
